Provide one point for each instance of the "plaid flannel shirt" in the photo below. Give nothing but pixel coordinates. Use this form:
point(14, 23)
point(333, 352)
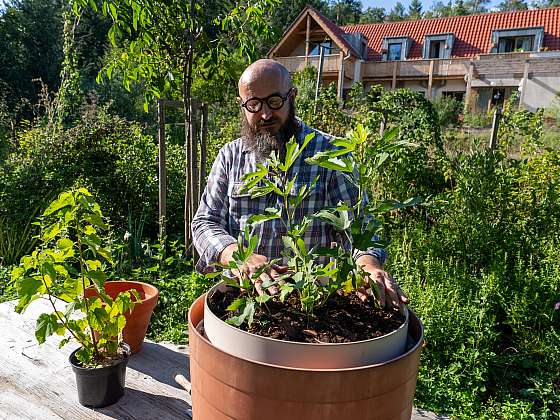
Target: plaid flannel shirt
point(224, 209)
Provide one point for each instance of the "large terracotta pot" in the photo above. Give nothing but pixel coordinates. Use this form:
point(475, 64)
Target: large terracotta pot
point(225, 386)
point(303, 355)
point(137, 321)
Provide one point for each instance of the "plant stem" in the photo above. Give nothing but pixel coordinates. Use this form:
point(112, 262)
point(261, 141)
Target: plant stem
point(56, 312)
point(93, 340)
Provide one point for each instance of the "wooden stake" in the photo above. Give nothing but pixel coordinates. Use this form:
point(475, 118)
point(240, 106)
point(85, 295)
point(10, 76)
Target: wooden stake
point(162, 169)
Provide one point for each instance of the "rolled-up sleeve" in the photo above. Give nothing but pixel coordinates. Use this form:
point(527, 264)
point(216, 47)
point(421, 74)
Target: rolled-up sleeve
point(209, 225)
point(342, 189)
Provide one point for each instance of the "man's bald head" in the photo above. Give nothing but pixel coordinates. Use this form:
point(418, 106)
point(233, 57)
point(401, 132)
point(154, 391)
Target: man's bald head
point(268, 71)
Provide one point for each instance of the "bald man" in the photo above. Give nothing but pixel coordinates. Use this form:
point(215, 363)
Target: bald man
point(266, 97)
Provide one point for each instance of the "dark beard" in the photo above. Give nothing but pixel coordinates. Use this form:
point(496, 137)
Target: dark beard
point(263, 143)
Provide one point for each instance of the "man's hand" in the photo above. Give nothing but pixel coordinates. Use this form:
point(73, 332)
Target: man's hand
point(390, 294)
point(254, 262)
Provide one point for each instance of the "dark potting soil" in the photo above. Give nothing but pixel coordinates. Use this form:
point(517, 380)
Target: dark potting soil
point(343, 319)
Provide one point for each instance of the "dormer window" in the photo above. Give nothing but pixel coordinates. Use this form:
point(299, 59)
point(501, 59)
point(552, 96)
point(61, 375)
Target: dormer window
point(517, 40)
point(438, 46)
point(395, 48)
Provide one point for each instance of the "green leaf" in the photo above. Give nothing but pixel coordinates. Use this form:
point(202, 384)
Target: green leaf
point(65, 199)
point(337, 218)
point(28, 289)
point(64, 244)
point(236, 304)
point(98, 277)
point(270, 214)
point(47, 325)
point(263, 298)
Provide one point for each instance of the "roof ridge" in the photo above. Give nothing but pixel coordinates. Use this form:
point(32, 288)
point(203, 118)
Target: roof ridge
point(449, 17)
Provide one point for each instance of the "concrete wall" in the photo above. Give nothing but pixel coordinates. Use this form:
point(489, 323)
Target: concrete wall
point(540, 92)
point(448, 86)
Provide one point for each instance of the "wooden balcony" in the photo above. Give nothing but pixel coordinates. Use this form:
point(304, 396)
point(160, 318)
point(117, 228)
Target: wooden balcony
point(415, 69)
point(331, 63)
point(513, 64)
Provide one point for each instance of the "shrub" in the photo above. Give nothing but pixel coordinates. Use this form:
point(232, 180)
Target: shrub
point(448, 110)
point(105, 153)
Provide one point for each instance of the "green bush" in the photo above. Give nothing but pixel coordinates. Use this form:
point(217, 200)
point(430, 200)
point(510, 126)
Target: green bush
point(477, 120)
point(105, 153)
point(481, 265)
point(448, 110)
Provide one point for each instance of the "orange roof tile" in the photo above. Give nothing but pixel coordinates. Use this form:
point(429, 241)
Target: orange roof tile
point(472, 33)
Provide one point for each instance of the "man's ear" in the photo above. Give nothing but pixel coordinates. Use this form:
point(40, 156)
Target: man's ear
point(294, 92)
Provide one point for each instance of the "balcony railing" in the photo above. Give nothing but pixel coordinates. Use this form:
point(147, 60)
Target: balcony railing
point(415, 69)
point(486, 65)
point(331, 62)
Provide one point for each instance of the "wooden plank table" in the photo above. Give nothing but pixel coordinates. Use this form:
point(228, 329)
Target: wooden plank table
point(37, 382)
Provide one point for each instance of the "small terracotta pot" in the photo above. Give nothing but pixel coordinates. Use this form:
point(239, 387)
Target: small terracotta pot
point(225, 386)
point(137, 321)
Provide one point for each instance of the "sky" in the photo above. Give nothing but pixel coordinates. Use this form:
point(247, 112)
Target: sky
point(388, 4)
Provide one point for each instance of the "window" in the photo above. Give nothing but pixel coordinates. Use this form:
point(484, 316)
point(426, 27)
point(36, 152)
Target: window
point(436, 49)
point(394, 52)
point(315, 47)
point(395, 48)
point(517, 40)
point(516, 44)
point(438, 46)
point(459, 96)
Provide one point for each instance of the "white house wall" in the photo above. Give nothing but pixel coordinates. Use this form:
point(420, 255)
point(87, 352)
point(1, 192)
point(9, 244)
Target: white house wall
point(541, 91)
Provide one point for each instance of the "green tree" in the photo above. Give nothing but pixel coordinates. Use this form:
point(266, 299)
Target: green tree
point(282, 16)
point(545, 3)
point(459, 9)
point(397, 13)
point(510, 5)
point(477, 6)
point(373, 15)
point(345, 12)
point(30, 49)
point(163, 42)
point(441, 9)
point(415, 9)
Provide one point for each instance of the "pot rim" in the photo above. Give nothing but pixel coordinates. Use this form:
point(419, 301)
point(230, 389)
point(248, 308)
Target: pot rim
point(201, 300)
point(76, 366)
point(298, 343)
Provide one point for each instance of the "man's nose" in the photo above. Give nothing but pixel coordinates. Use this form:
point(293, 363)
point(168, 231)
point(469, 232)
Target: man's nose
point(266, 112)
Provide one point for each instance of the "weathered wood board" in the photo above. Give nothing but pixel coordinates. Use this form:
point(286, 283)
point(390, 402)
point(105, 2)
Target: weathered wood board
point(37, 382)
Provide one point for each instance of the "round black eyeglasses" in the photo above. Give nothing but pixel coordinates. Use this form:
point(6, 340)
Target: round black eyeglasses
point(274, 101)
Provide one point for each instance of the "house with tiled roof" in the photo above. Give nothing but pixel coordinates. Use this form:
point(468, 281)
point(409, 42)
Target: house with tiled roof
point(480, 58)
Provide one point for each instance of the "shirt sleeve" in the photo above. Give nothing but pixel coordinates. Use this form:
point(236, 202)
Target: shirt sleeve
point(342, 189)
point(209, 225)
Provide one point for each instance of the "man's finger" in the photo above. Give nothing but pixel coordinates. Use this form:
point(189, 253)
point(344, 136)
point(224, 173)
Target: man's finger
point(378, 279)
point(281, 269)
point(258, 287)
point(267, 279)
point(402, 297)
point(392, 298)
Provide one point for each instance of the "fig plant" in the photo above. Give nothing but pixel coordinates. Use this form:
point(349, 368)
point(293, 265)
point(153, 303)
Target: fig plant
point(70, 258)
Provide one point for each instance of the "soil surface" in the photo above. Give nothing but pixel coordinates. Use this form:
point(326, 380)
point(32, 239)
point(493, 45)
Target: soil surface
point(343, 319)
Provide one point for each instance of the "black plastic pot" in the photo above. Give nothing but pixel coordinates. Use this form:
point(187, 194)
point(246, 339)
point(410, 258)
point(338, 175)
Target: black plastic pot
point(100, 387)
